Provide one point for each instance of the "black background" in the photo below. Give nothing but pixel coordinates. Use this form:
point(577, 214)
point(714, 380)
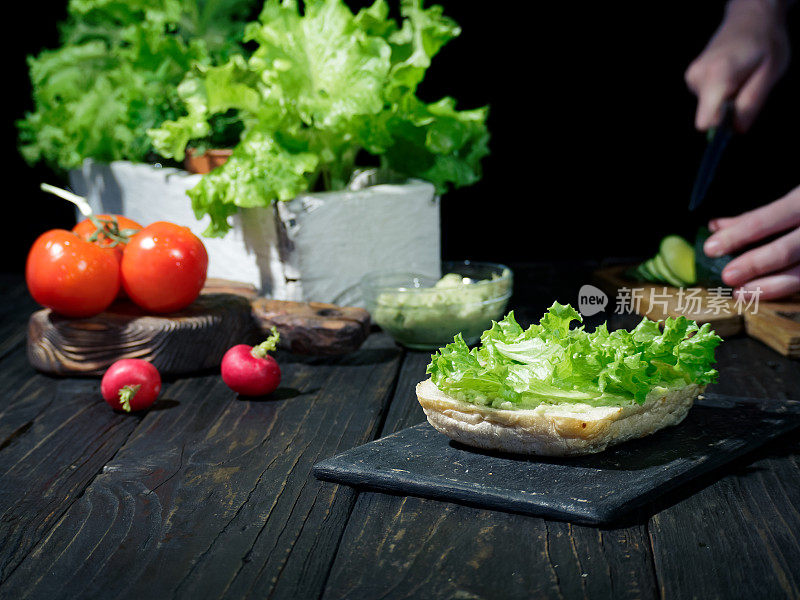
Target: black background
point(593, 148)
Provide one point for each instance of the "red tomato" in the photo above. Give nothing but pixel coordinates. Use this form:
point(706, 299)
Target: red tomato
point(131, 384)
point(72, 277)
point(113, 225)
point(164, 267)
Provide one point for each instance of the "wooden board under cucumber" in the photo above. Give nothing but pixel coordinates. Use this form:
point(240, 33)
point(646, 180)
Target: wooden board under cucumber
point(777, 324)
point(657, 301)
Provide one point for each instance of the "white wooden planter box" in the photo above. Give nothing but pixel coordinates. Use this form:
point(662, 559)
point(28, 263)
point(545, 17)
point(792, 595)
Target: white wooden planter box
point(315, 247)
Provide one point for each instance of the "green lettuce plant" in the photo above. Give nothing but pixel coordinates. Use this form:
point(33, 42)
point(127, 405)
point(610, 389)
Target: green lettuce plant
point(323, 86)
point(116, 72)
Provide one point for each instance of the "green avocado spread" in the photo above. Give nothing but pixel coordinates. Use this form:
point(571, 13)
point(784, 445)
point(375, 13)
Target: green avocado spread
point(432, 316)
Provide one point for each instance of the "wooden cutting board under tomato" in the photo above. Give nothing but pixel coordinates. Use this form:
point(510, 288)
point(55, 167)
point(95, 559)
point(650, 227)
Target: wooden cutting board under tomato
point(193, 339)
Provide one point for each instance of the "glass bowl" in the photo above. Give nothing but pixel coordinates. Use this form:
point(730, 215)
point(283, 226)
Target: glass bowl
point(424, 313)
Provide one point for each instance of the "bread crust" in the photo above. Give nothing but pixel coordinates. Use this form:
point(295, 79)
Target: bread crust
point(556, 429)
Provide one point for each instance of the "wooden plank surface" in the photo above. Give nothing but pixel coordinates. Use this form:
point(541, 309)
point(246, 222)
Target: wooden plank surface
point(17, 304)
point(44, 471)
point(213, 497)
point(22, 392)
point(748, 368)
point(738, 537)
point(54, 438)
point(427, 548)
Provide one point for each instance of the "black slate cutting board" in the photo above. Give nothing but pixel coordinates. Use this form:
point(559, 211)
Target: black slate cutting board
point(599, 488)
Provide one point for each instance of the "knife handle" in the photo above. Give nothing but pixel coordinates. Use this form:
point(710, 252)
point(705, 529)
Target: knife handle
point(725, 125)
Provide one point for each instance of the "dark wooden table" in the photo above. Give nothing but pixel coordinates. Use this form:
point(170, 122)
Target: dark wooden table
point(211, 496)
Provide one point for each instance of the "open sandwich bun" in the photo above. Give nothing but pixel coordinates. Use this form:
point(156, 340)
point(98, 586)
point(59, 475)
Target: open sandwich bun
point(556, 429)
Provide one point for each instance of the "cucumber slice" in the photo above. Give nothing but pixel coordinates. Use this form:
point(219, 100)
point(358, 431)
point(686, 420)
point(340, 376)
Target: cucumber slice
point(649, 267)
point(638, 273)
point(678, 256)
point(635, 273)
point(644, 274)
point(665, 272)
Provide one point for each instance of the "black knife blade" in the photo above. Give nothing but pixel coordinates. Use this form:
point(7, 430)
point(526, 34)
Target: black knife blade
point(718, 139)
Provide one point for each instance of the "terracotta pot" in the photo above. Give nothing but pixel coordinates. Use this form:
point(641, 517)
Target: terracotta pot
point(206, 162)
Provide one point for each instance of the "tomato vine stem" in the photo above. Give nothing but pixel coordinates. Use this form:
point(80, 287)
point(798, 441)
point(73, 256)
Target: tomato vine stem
point(108, 227)
point(79, 201)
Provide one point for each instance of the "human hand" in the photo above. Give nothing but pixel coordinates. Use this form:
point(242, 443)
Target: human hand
point(774, 267)
point(742, 62)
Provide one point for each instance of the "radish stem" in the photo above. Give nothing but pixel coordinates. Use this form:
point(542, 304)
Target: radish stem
point(267, 345)
point(126, 394)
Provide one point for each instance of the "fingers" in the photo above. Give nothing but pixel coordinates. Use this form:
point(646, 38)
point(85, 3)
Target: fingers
point(737, 232)
point(746, 56)
point(772, 287)
point(754, 93)
point(713, 79)
point(720, 223)
point(777, 255)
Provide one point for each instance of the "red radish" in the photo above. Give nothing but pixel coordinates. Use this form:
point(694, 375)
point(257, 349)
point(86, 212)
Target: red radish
point(249, 370)
point(131, 384)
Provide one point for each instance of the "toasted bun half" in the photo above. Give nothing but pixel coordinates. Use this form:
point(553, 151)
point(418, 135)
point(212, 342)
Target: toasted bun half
point(556, 429)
